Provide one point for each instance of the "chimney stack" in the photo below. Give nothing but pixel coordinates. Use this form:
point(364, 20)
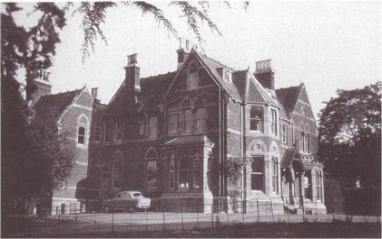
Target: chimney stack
point(43, 87)
point(94, 92)
point(182, 53)
point(132, 72)
point(264, 74)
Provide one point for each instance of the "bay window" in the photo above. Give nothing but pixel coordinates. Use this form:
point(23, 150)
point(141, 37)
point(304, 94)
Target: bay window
point(257, 118)
point(275, 175)
point(257, 174)
point(173, 124)
point(274, 121)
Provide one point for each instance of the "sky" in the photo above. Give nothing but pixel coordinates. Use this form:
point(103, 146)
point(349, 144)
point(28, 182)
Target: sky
point(325, 45)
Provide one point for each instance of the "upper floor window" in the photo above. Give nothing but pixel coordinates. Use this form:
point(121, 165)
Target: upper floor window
point(118, 131)
point(81, 135)
point(257, 174)
point(274, 121)
point(98, 134)
point(153, 127)
point(172, 124)
point(257, 118)
point(304, 142)
point(141, 129)
point(284, 134)
point(193, 77)
point(201, 119)
point(82, 124)
point(188, 120)
point(227, 76)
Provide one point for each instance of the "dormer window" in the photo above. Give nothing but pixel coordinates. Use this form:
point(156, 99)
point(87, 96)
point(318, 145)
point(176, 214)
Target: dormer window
point(227, 76)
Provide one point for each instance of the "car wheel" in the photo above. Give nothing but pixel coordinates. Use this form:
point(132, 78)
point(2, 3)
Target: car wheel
point(131, 209)
point(106, 209)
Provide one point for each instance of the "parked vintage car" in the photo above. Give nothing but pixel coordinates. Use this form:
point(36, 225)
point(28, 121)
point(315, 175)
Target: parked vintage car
point(126, 200)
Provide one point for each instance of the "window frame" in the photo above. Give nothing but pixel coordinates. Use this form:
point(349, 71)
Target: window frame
point(172, 127)
point(274, 121)
point(258, 122)
point(153, 127)
point(260, 173)
point(275, 175)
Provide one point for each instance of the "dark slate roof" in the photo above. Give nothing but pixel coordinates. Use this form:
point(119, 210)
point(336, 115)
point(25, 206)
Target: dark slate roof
point(239, 79)
point(154, 87)
point(213, 66)
point(288, 97)
point(193, 139)
point(53, 105)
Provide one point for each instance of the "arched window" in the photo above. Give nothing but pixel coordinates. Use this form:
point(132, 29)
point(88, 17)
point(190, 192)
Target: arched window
point(275, 167)
point(151, 169)
point(201, 119)
point(171, 172)
point(82, 128)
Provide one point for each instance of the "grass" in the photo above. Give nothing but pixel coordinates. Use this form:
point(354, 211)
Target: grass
point(47, 228)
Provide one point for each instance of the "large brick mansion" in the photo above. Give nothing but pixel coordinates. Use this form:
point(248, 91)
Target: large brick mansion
point(170, 135)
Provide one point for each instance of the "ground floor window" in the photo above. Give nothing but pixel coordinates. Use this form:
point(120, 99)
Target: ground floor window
point(151, 169)
point(275, 175)
point(308, 185)
point(319, 185)
point(189, 173)
point(257, 174)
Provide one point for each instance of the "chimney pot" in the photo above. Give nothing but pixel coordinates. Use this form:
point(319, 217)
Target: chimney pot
point(264, 74)
point(132, 59)
point(94, 92)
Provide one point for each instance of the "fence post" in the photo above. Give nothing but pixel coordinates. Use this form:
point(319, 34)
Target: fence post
point(112, 220)
point(197, 216)
point(212, 219)
point(316, 211)
point(146, 225)
point(273, 216)
point(164, 220)
point(242, 211)
point(258, 211)
point(182, 221)
point(58, 225)
point(76, 225)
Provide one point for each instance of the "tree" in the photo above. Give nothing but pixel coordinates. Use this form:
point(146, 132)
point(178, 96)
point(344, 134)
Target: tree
point(350, 136)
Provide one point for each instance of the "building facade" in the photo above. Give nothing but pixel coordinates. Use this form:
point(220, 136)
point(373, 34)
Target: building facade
point(171, 136)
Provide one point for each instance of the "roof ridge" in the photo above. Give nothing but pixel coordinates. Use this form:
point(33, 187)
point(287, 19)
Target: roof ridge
point(218, 62)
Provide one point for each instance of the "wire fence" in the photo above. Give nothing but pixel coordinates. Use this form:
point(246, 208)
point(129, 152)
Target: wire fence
point(258, 211)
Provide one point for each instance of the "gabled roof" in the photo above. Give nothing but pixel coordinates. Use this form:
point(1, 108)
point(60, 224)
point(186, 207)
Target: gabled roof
point(288, 97)
point(55, 104)
point(213, 66)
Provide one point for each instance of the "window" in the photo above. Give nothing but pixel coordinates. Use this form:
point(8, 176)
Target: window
point(318, 185)
point(82, 124)
point(153, 129)
point(141, 128)
point(201, 119)
point(118, 131)
point(151, 169)
point(98, 134)
point(227, 76)
point(257, 174)
point(308, 185)
point(304, 141)
point(151, 173)
point(275, 175)
point(172, 124)
point(274, 122)
point(117, 171)
point(188, 120)
point(256, 118)
point(81, 135)
point(189, 173)
point(171, 173)
point(284, 134)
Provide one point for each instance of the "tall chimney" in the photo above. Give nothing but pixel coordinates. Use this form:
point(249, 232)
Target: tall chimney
point(132, 72)
point(43, 87)
point(264, 74)
point(94, 92)
point(182, 53)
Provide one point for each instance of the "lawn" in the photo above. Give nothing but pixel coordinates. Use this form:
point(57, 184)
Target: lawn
point(33, 227)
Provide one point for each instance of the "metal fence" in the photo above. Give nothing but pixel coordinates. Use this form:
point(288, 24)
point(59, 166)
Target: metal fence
point(262, 211)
